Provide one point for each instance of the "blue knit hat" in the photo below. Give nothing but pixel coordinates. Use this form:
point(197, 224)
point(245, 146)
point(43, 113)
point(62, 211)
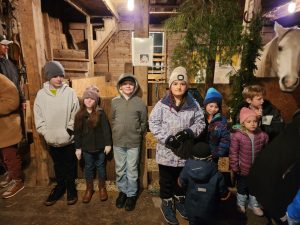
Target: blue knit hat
point(212, 95)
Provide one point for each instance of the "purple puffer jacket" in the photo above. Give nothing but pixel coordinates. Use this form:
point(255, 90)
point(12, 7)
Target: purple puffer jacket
point(164, 121)
point(243, 151)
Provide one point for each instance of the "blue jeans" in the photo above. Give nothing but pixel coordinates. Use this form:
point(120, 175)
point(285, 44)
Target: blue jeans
point(92, 160)
point(126, 161)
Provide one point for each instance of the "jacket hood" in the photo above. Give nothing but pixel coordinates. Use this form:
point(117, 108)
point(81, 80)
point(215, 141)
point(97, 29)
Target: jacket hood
point(200, 170)
point(46, 87)
point(190, 102)
point(128, 75)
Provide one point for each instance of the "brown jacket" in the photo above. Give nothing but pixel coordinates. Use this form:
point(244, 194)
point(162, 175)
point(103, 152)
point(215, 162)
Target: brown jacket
point(10, 126)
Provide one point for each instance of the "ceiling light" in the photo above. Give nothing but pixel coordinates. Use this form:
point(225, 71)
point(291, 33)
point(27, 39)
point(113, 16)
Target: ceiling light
point(130, 5)
point(292, 7)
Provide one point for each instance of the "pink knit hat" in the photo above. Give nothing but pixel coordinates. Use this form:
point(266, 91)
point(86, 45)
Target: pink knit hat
point(91, 92)
point(245, 113)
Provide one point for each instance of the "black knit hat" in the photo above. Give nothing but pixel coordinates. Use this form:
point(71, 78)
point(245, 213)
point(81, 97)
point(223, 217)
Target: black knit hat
point(131, 79)
point(201, 150)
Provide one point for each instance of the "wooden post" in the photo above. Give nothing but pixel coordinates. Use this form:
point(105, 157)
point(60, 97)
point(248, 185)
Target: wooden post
point(30, 17)
point(89, 36)
point(141, 30)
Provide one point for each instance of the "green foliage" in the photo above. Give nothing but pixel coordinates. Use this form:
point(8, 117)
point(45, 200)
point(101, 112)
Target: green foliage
point(213, 27)
point(252, 43)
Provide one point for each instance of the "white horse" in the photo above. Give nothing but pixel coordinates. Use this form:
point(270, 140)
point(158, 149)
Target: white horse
point(281, 57)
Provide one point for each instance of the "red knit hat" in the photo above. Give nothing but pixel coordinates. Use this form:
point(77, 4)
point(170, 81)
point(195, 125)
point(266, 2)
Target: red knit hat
point(245, 113)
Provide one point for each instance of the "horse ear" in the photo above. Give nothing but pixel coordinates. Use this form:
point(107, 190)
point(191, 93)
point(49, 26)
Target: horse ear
point(280, 30)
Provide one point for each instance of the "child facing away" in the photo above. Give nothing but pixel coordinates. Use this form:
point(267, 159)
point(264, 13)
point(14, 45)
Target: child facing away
point(218, 136)
point(205, 186)
point(93, 139)
point(270, 119)
point(54, 108)
point(174, 119)
point(129, 123)
point(246, 142)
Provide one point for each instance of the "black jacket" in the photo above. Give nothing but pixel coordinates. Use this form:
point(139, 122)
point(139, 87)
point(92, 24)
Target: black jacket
point(93, 139)
point(274, 176)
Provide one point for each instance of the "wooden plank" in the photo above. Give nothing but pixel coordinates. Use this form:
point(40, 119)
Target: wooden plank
point(69, 53)
point(223, 164)
point(89, 35)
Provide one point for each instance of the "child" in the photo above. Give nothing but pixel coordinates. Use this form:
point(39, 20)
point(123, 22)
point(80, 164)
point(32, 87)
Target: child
point(270, 120)
point(205, 186)
point(129, 122)
point(246, 142)
point(10, 136)
point(173, 120)
point(218, 134)
point(93, 138)
point(54, 108)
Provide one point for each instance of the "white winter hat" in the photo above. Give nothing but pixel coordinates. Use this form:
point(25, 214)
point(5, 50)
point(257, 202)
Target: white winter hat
point(179, 73)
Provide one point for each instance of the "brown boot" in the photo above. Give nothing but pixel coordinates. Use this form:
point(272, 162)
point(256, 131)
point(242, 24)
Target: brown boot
point(88, 192)
point(102, 190)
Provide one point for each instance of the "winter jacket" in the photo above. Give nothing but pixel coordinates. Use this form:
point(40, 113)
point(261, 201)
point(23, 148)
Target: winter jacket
point(55, 114)
point(204, 185)
point(129, 118)
point(274, 176)
point(243, 150)
point(293, 209)
point(271, 121)
point(93, 139)
point(165, 121)
point(10, 126)
point(10, 70)
point(218, 136)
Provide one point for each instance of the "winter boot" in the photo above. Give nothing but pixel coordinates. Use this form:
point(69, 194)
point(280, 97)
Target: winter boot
point(130, 203)
point(71, 192)
point(241, 203)
point(88, 192)
point(121, 200)
point(168, 211)
point(179, 206)
point(102, 190)
point(254, 206)
point(56, 193)
point(5, 181)
point(14, 187)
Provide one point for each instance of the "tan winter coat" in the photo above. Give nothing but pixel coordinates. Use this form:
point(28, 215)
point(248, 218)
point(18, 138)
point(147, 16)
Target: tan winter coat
point(10, 121)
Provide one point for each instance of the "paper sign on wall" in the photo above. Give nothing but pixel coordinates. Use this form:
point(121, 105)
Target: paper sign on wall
point(142, 51)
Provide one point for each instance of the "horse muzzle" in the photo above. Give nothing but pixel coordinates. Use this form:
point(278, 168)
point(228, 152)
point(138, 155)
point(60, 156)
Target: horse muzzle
point(289, 83)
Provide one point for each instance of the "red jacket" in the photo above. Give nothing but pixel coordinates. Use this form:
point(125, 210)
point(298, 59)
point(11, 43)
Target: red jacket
point(243, 152)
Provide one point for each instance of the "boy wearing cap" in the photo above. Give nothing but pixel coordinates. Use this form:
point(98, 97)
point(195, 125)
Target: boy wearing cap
point(205, 186)
point(174, 119)
point(93, 139)
point(218, 136)
point(54, 108)
point(246, 142)
point(129, 123)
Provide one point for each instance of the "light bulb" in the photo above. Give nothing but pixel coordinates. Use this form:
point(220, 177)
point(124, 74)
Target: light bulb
point(292, 7)
point(130, 5)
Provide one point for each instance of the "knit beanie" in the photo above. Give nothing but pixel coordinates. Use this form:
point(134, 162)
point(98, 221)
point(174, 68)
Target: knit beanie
point(201, 150)
point(53, 69)
point(245, 113)
point(179, 73)
point(131, 79)
point(91, 92)
point(212, 95)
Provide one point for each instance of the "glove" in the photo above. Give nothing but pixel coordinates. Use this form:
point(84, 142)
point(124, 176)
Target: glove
point(184, 135)
point(172, 142)
point(78, 153)
point(107, 149)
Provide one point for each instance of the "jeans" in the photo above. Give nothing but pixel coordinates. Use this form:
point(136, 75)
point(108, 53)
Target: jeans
point(126, 161)
point(13, 162)
point(92, 160)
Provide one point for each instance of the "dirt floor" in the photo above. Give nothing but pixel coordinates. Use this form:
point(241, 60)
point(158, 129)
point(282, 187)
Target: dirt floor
point(26, 208)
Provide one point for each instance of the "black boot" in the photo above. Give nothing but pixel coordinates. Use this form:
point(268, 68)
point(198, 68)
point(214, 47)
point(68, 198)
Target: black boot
point(121, 200)
point(130, 203)
point(55, 194)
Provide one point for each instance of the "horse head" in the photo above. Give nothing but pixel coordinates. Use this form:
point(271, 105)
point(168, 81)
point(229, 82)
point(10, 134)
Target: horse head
point(281, 58)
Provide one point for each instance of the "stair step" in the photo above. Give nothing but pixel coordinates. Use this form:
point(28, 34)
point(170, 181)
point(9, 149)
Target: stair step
point(75, 70)
point(69, 53)
point(71, 59)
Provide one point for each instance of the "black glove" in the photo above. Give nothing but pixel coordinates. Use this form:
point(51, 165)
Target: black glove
point(184, 135)
point(172, 142)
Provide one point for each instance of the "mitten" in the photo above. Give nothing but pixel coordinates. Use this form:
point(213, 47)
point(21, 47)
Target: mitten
point(172, 142)
point(78, 153)
point(107, 149)
point(184, 135)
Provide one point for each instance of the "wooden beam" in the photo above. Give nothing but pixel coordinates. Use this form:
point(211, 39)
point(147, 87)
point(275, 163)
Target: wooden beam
point(281, 11)
point(112, 8)
point(89, 36)
point(77, 7)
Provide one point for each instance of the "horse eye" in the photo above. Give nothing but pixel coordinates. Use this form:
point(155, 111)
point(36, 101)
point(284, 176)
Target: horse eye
point(279, 48)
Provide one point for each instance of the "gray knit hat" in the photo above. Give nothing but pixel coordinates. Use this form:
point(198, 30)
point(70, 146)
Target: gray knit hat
point(53, 69)
point(179, 73)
